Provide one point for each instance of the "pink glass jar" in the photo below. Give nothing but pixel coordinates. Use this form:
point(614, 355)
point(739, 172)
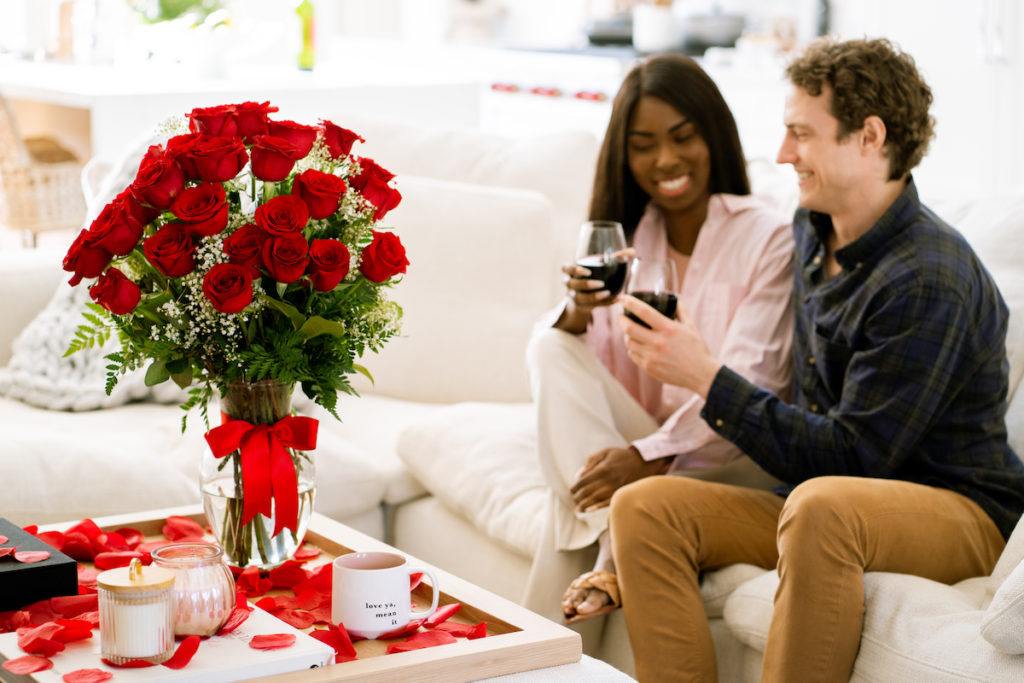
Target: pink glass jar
point(204, 587)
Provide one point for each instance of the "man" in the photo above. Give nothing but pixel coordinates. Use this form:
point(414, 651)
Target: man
point(894, 449)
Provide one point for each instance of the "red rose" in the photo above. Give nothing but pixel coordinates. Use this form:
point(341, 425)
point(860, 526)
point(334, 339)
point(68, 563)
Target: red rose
point(171, 250)
point(339, 140)
point(298, 134)
point(321, 191)
point(372, 183)
point(180, 148)
point(119, 225)
point(383, 257)
point(85, 259)
point(251, 118)
point(116, 293)
point(282, 215)
point(328, 263)
point(202, 208)
point(243, 247)
point(228, 287)
point(218, 159)
point(159, 179)
point(219, 120)
point(286, 257)
point(273, 158)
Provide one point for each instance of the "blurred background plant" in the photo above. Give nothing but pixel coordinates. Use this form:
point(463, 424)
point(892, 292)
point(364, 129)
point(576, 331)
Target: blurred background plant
point(153, 11)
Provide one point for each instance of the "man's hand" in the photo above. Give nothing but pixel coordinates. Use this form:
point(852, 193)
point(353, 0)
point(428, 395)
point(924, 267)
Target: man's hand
point(608, 470)
point(672, 351)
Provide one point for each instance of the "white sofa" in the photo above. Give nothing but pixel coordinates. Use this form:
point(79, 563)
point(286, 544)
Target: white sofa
point(438, 456)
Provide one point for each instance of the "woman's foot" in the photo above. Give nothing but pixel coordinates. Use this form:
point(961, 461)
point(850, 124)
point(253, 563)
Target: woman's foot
point(591, 595)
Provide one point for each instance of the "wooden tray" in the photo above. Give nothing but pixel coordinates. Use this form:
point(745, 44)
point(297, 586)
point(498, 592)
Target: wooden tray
point(517, 639)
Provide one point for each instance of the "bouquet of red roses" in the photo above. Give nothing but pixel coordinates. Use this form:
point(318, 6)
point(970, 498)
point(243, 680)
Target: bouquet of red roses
point(245, 249)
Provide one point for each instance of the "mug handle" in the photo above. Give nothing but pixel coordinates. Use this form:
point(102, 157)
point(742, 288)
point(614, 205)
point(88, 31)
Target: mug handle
point(435, 590)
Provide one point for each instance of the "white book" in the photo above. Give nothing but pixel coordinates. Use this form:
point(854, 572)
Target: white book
point(219, 658)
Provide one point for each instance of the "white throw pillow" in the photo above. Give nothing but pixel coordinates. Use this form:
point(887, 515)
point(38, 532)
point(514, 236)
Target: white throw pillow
point(480, 460)
point(1003, 622)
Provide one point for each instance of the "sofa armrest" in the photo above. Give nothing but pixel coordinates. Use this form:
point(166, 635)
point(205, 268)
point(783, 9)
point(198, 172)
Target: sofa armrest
point(28, 279)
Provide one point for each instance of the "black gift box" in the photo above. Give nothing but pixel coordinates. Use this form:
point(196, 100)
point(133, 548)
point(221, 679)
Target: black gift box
point(23, 583)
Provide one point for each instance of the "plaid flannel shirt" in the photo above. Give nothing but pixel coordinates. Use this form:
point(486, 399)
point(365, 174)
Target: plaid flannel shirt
point(900, 368)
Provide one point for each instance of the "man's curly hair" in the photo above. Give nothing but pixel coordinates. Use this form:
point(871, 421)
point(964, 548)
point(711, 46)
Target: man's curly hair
point(871, 77)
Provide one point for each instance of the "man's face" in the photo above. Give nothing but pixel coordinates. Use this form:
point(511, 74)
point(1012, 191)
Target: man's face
point(829, 171)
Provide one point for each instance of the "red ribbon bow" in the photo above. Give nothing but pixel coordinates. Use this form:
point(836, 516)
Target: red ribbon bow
point(268, 473)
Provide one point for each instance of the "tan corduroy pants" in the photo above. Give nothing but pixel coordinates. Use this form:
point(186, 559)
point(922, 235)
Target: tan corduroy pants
point(823, 537)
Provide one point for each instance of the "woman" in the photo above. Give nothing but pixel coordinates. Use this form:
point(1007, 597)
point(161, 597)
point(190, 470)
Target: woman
point(671, 170)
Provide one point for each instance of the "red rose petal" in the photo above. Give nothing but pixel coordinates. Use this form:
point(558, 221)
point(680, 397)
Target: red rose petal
point(312, 598)
point(132, 536)
point(87, 676)
point(72, 630)
point(457, 630)
point(288, 574)
point(336, 638)
point(443, 613)
point(321, 580)
point(41, 612)
point(28, 664)
point(183, 655)
point(120, 558)
point(72, 605)
point(31, 529)
point(54, 539)
point(87, 527)
point(178, 528)
point(77, 546)
point(408, 628)
point(86, 580)
point(479, 631)
point(130, 664)
point(321, 615)
point(3, 539)
point(110, 542)
point(30, 556)
point(422, 640)
point(415, 580)
point(298, 618)
point(306, 553)
point(7, 551)
point(237, 617)
point(272, 641)
point(38, 640)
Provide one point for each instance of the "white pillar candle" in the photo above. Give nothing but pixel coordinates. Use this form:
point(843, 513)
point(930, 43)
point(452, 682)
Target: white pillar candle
point(136, 613)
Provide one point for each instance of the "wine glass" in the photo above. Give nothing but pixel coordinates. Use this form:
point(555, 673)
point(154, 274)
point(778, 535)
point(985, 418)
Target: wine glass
point(654, 282)
point(601, 249)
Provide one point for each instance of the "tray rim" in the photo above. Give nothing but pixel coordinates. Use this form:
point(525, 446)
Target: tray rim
point(533, 642)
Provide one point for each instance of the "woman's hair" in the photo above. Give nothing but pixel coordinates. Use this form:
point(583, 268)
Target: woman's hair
point(681, 83)
point(871, 78)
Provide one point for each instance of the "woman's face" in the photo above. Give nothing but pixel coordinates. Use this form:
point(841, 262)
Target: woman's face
point(666, 156)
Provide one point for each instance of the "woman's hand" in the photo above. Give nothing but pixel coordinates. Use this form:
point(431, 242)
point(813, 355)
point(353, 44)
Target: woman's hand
point(609, 470)
point(583, 295)
point(671, 351)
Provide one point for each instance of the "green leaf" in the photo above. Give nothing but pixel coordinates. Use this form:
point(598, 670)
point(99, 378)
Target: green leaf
point(157, 373)
point(316, 326)
point(178, 365)
point(293, 314)
point(363, 371)
point(183, 379)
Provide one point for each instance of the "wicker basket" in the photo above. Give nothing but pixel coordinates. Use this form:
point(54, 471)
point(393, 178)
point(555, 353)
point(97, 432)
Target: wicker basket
point(40, 182)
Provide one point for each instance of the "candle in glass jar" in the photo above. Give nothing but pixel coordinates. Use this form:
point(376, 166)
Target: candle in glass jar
point(204, 587)
point(136, 613)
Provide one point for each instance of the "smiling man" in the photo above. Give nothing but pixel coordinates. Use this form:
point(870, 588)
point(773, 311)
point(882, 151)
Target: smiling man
point(893, 452)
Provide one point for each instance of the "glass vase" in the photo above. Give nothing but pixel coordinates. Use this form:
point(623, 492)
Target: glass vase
point(252, 543)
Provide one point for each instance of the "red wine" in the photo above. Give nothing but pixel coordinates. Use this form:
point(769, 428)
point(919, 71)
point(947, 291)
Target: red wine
point(612, 273)
point(664, 302)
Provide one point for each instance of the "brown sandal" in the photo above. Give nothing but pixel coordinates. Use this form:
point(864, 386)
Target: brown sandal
point(599, 580)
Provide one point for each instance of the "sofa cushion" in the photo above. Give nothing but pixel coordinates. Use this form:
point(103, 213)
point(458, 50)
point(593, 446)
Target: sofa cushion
point(480, 460)
point(1003, 621)
point(483, 267)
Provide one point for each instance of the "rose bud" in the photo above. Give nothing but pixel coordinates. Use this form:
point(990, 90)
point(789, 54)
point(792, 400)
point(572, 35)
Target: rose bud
point(228, 287)
point(328, 263)
point(339, 140)
point(219, 159)
point(158, 181)
point(273, 158)
point(286, 257)
point(180, 148)
point(297, 134)
point(203, 209)
point(372, 183)
point(251, 118)
point(282, 215)
point(214, 121)
point(383, 257)
point(171, 250)
point(116, 293)
point(119, 225)
point(321, 191)
point(85, 259)
point(244, 246)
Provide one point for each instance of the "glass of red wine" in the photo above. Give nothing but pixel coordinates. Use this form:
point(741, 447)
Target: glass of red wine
point(601, 249)
point(654, 282)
